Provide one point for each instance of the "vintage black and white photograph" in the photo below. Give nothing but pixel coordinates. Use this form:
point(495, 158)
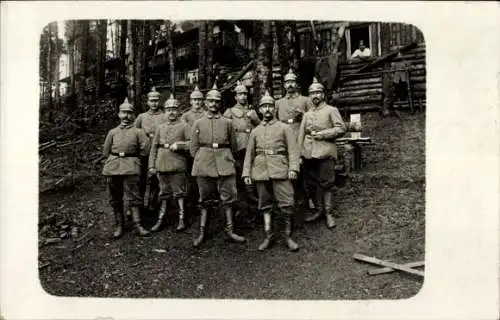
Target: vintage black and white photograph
point(232, 159)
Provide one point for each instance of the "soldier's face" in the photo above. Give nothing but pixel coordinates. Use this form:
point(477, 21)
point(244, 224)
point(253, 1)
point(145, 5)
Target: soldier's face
point(317, 97)
point(241, 98)
point(172, 114)
point(126, 117)
point(212, 105)
point(196, 103)
point(290, 85)
point(267, 110)
point(153, 103)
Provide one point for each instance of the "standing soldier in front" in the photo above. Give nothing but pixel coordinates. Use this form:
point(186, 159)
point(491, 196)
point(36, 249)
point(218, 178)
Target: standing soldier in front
point(123, 147)
point(244, 120)
point(212, 140)
point(290, 109)
point(168, 160)
point(321, 125)
point(272, 160)
point(149, 122)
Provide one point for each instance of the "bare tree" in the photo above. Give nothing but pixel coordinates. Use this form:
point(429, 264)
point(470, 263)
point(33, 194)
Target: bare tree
point(202, 43)
point(262, 69)
point(102, 30)
point(131, 61)
point(171, 55)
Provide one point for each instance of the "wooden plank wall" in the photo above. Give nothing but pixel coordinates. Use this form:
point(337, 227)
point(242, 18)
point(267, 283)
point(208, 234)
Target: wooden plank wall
point(365, 92)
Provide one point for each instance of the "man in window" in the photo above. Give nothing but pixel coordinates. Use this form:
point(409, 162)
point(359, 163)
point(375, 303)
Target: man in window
point(362, 52)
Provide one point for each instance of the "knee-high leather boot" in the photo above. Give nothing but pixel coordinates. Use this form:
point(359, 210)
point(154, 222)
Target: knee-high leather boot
point(330, 221)
point(119, 221)
point(228, 212)
point(163, 212)
point(203, 223)
point(319, 207)
point(136, 216)
point(268, 230)
point(180, 224)
point(288, 215)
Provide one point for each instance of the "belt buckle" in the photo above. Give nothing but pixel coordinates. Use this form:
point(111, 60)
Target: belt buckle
point(313, 132)
point(269, 152)
point(121, 154)
point(166, 145)
point(247, 130)
point(151, 135)
point(215, 145)
point(290, 121)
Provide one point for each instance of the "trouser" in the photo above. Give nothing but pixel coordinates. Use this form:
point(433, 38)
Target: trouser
point(248, 191)
point(281, 190)
point(124, 188)
point(172, 184)
point(224, 186)
point(192, 191)
point(153, 183)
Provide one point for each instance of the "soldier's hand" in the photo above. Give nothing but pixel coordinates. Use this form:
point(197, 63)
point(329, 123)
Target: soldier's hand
point(317, 136)
point(249, 114)
point(247, 181)
point(292, 175)
point(173, 147)
point(152, 171)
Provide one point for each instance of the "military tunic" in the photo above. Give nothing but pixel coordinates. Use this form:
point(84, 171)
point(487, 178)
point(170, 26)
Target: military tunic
point(320, 154)
point(271, 154)
point(212, 140)
point(290, 110)
point(123, 147)
point(191, 116)
point(171, 166)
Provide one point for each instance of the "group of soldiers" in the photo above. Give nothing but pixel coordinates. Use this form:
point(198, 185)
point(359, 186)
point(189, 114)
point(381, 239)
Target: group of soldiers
point(271, 154)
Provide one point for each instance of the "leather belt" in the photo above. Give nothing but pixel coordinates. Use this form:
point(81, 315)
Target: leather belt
point(164, 145)
point(124, 154)
point(289, 121)
point(270, 151)
point(151, 135)
point(244, 130)
point(215, 145)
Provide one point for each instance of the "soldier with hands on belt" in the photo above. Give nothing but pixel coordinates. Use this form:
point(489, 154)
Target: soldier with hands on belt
point(123, 147)
point(148, 122)
point(321, 125)
point(271, 161)
point(168, 161)
point(244, 120)
point(212, 142)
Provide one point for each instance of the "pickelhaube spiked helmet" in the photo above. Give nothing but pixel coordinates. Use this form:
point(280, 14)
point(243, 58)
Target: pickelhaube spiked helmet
point(126, 106)
point(290, 76)
point(153, 93)
point(240, 88)
point(171, 102)
point(266, 99)
point(213, 94)
point(316, 86)
point(196, 94)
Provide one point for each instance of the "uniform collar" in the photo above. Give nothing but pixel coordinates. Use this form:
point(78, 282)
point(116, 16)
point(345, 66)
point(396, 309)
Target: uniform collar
point(197, 111)
point(292, 95)
point(125, 126)
point(154, 112)
point(321, 105)
point(210, 116)
point(268, 123)
point(172, 122)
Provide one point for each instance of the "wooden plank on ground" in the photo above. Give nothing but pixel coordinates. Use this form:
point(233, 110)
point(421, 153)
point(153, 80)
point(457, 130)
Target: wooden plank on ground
point(388, 270)
point(392, 265)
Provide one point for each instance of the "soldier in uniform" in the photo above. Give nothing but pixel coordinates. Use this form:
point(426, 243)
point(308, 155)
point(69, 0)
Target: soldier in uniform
point(321, 125)
point(194, 113)
point(168, 160)
point(272, 160)
point(123, 147)
point(212, 140)
point(149, 122)
point(290, 110)
point(244, 120)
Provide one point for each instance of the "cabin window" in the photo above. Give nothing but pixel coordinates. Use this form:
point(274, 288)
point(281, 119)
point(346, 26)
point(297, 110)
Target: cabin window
point(355, 34)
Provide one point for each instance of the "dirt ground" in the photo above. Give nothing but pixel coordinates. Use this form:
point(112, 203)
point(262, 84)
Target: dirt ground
point(381, 214)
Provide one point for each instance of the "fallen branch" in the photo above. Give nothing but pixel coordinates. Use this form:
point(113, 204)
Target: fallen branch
point(47, 146)
point(392, 265)
point(389, 270)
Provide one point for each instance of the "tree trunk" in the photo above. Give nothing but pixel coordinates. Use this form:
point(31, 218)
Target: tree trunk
point(71, 62)
point(202, 41)
point(84, 32)
point(49, 66)
point(131, 61)
point(123, 91)
point(102, 36)
point(139, 62)
point(57, 54)
point(210, 56)
point(171, 58)
point(262, 71)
